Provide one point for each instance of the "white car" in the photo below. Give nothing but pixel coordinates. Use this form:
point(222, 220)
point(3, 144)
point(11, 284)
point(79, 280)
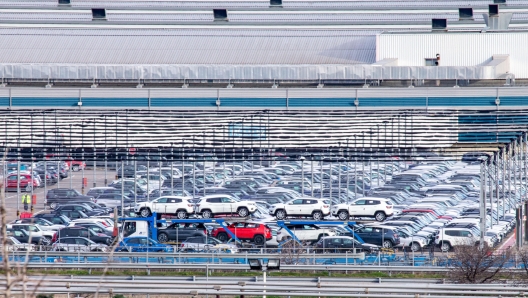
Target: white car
point(179, 206)
point(43, 223)
point(33, 230)
point(212, 205)
point(14, 245)
point(379, 208)
point(308, 232)
point(315, 208)
point(454, 235)
point(78, 244)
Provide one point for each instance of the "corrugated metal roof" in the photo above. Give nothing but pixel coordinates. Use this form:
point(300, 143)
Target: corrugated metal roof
point(258, 3)
point(187, 47)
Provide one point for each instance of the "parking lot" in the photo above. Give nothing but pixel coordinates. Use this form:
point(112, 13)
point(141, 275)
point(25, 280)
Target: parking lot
point(417, 206)
point(14, 203)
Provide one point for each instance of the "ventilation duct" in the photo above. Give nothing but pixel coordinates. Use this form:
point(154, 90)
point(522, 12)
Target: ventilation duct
point(439, 24)
point(98, 14)
point(276, 3)
point(220, 15)
point(493, 10)
point(495, 20)
point(465, 13)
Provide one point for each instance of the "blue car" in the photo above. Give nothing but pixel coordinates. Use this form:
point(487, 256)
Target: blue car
point(142, 244)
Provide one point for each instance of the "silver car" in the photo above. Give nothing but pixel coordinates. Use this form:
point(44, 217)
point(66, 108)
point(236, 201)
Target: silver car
point(76, 244)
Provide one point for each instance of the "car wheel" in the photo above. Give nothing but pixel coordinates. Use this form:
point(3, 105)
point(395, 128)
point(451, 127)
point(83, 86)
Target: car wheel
point(222, 237)
point(317, 215)
point(181, 214)
point(445, 247)
point(75, 168)
point(243, 212)
point(109, 241)
point(207, 214)
point(387, 244)
point(46, 241)
point(163, 238)
point(28, 188)
point(415, 246)
point(145, 212)
point(259, 239)
point(343, 215)
point(280, 214)
point(54, 205)
point(380, 216)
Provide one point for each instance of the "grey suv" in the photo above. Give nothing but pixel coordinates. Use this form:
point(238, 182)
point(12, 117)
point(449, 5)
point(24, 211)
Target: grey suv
point(58, 196)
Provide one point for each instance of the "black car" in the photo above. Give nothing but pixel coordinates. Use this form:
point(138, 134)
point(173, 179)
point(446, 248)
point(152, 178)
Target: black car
point(95, 227)
point(342, 244)
point(82, 232)
point(386, 238)
point(72, 214)
point(23, 236)
point(58, 196)
point(180, 231)
point(93, 205)
point(54, 218)
point(79, 207)
point(128, 170)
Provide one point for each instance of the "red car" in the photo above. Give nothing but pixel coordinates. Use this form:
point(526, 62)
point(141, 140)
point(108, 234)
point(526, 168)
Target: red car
point(75, 165)
point(26, 182)
point(255, 232)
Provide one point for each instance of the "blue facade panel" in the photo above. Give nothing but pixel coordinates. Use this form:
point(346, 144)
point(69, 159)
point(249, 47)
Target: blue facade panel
point(393, 102)
point(43, 101)
point(487, 137)
point(320, 102)
point(253, 102)
point(461, 101)
point(514, 101)
point(113, 102)
point(4, 101)
point(183, 102)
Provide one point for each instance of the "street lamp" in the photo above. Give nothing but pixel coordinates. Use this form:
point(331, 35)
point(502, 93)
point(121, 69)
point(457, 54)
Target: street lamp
point(302, 175)
point(257, 264)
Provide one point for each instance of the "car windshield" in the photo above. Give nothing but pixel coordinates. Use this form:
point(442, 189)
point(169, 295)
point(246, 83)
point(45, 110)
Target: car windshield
point(213, 241)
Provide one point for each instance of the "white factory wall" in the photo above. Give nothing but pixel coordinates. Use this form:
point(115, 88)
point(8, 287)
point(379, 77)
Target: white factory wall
point(456, 48)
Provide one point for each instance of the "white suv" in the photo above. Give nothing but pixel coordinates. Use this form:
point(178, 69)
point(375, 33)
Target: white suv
point(179, 206)
point(212, 205)
point(456, 234)
point(308, 232)
point(315, 208)
point(379, 208)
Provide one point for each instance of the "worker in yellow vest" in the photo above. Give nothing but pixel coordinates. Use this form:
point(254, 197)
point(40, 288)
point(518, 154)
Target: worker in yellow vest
point(26, 200)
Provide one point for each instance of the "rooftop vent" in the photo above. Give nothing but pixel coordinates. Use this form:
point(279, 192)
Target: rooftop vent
point(465, 13)
point(220, 15)
point(64, 2)
point(98, 14)
point(275, 3)
point(499, 1)
point(493, 10)
point(439, 24)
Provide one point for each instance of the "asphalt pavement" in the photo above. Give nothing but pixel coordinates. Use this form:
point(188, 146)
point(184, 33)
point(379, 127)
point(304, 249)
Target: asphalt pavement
point(74, 180)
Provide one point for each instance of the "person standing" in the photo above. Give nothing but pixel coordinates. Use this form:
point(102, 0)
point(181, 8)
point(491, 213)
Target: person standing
point(26, 200)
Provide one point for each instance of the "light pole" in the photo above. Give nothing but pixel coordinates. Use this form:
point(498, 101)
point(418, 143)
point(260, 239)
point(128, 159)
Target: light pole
point(302, 175)
point(312, 173)
point(70, 158)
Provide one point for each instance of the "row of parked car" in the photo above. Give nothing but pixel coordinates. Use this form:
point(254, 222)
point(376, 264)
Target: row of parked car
point(27, 176)
point(416, 205)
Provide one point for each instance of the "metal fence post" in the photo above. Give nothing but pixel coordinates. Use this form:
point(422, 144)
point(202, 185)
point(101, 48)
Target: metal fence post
point(482, 204)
